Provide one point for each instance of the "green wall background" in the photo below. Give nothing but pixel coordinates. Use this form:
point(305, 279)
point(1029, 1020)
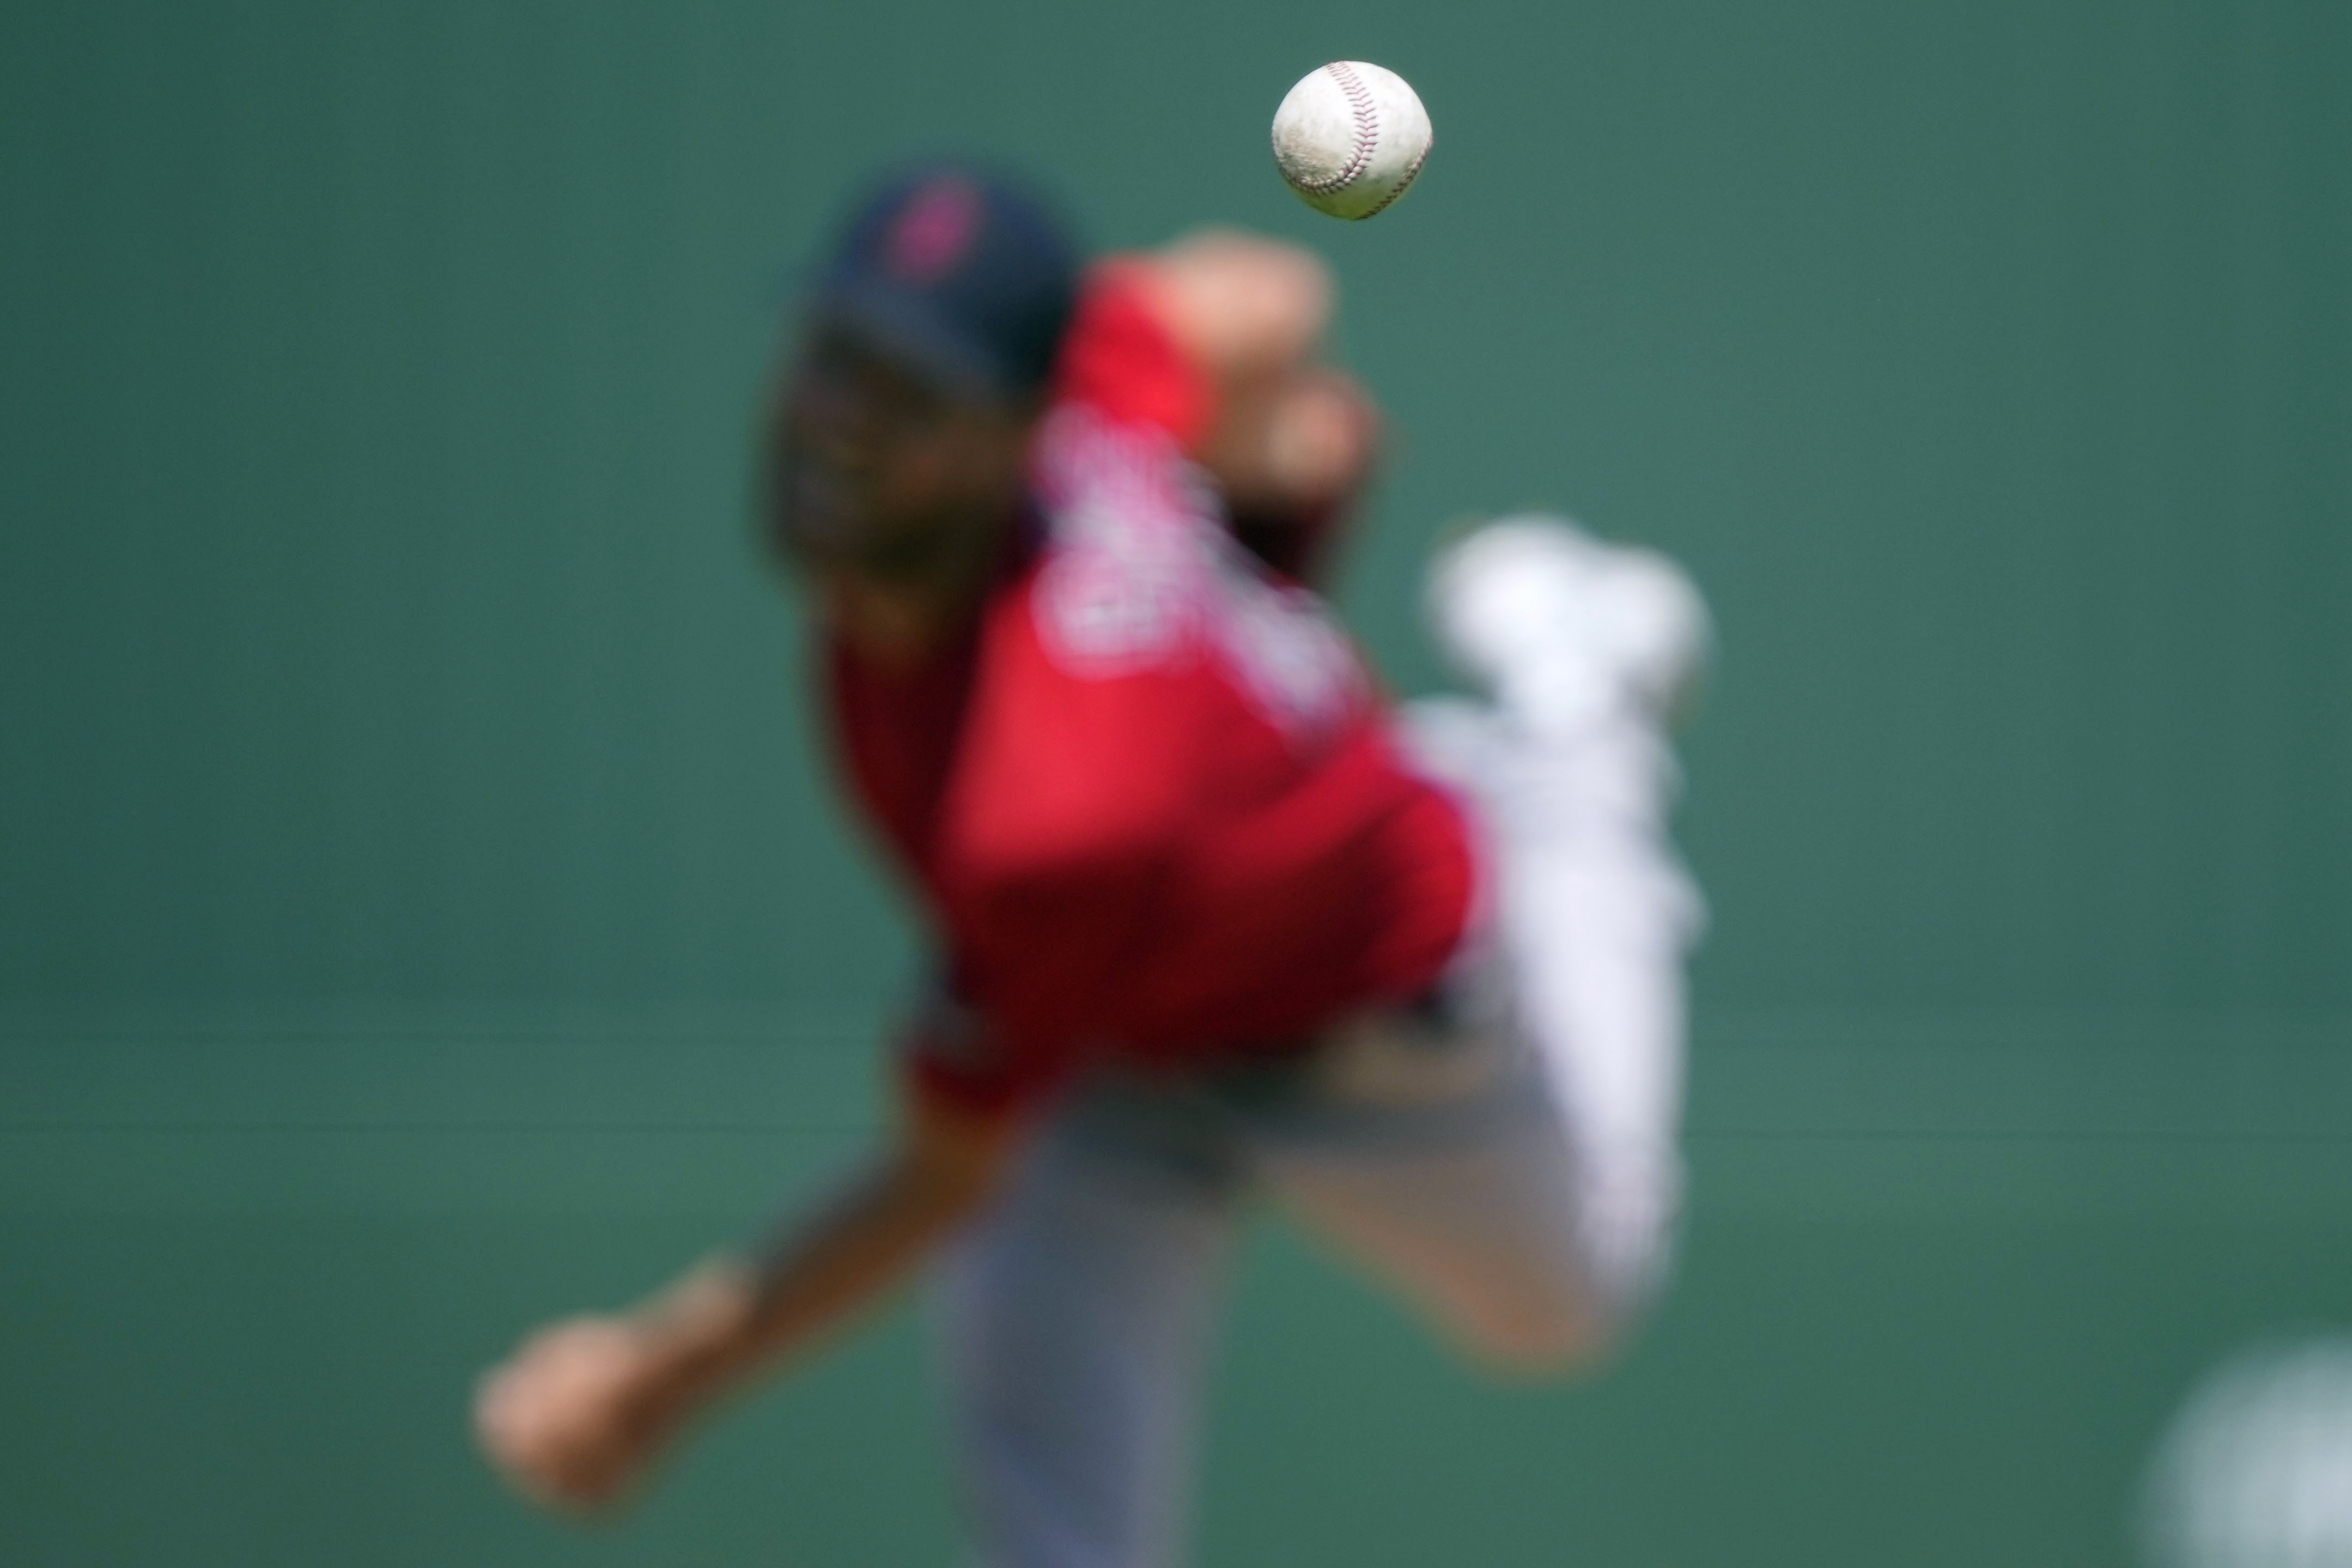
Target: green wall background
point(421, 909)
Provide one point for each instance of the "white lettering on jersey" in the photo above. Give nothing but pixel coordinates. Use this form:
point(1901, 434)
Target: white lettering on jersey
point(1292, 656)
point(1123, 585)
point(1142, 570)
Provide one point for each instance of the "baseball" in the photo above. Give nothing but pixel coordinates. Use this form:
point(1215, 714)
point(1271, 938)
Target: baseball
point(1349, 138)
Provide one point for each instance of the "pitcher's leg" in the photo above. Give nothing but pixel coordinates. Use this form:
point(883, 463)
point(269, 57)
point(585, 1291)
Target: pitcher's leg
point(1074, 1325)
point(1552, 1237)
point(1580, 964)
point(1594, 938)
point(1465, 1206)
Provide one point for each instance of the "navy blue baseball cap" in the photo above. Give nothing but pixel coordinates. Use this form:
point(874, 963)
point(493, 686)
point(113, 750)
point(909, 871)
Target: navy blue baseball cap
point(959, 273)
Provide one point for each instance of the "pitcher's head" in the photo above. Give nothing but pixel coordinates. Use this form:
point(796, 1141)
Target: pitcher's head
point(904, 417)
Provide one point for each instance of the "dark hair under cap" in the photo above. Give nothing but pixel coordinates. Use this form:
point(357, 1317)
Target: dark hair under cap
point(959, 273)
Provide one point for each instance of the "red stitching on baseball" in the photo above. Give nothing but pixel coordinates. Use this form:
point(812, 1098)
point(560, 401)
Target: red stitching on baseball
point(1404, 181)
point(1368, 134)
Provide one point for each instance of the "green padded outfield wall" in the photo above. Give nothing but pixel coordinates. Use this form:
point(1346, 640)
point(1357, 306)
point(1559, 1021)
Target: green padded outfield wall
point(423, 909)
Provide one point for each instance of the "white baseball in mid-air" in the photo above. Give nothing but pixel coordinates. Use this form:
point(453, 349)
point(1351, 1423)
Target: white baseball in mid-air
point(1349, 138)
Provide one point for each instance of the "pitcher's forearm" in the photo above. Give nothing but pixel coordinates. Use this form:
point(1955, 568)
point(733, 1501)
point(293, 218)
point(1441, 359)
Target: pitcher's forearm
point(843, 1260)
point(732, 1319)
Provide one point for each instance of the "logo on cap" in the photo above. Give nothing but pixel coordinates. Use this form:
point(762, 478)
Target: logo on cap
point(932, 231)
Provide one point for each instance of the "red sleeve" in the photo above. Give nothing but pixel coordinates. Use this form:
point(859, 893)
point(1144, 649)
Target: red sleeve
point(1120, 360)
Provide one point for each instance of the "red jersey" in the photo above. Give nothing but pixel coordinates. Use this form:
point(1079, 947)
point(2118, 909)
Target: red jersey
point(1151, 798)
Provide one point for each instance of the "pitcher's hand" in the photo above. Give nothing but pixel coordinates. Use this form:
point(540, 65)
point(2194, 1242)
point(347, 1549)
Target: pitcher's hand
point(577, 1413)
